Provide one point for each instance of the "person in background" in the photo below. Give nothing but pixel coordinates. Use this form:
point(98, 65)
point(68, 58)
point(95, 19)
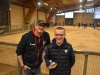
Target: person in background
point(90, 24)
point(52, 24)
point(93, 25)
point(59, 57)
point(79, 25)
point(30, 48)
point(63, 23)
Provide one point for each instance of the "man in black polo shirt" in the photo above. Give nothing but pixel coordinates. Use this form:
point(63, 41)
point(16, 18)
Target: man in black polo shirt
point(30, 48)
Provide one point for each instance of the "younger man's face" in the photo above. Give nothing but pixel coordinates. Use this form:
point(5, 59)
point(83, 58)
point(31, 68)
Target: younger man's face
point(59, 36)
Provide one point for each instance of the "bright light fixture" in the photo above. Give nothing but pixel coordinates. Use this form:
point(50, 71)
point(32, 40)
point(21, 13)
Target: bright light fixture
point(39, 3)
point(89, 0)
point(80, 0)
point(50, 8)
point(46, 4)
point(80, 5)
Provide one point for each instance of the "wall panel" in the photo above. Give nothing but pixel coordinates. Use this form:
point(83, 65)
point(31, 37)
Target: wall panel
point(83, 17)
point(41, 15)
point(34, 17)
point(16, 14)
point(59, 19)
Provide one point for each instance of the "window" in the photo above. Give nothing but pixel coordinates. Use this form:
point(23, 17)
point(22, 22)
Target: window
point(69, 14)
point(80, 11)
point(60, 14)
point(91, 10)
point(97, 13)
point(89, 0)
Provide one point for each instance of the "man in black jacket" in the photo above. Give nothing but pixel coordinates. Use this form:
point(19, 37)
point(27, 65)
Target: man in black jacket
point(59, 55)
point(30, 48)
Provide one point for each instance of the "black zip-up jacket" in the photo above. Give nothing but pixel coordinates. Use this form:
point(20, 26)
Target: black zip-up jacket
point(31, 48)
point(63, 55)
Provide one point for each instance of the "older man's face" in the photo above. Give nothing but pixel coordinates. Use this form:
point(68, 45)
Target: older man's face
point(40, 28)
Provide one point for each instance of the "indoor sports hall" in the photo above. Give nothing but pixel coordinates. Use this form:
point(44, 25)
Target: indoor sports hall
point(81, 21)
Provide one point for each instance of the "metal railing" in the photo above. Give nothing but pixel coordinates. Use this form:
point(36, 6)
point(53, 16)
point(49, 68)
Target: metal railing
point(87, 62)
point(5, 30)
point(88, 55)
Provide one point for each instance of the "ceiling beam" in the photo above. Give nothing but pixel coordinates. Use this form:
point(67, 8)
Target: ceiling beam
point(51, 15)
point(25, 1)
point(30, 13)
point(71, 6)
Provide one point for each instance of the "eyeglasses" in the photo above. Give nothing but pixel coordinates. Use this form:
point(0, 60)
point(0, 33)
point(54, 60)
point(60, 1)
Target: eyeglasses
point(41, 25)
point(59, 34)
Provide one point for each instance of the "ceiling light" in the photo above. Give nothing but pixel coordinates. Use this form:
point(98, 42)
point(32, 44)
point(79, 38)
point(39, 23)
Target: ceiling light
point(50, 8)
point(9, 8)
point(89, 0)
point(46, 4)
point(80, 0)
point(58, 12)
point(80, 5)
point(39, 3)
point(89, 4)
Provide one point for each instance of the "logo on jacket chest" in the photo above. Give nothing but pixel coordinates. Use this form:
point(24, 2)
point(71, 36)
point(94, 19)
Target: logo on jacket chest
point(32, 44)
point(66, 50)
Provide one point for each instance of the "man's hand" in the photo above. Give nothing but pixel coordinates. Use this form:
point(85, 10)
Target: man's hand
point(52, 65)
point(25, 67)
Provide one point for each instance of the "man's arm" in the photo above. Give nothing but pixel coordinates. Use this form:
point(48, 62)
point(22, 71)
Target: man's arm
point(51, 65)
point(20, 60)
point(20, 50)
point(47, 57)
point(22, 63)
point(47, 38)
point(47, 43)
